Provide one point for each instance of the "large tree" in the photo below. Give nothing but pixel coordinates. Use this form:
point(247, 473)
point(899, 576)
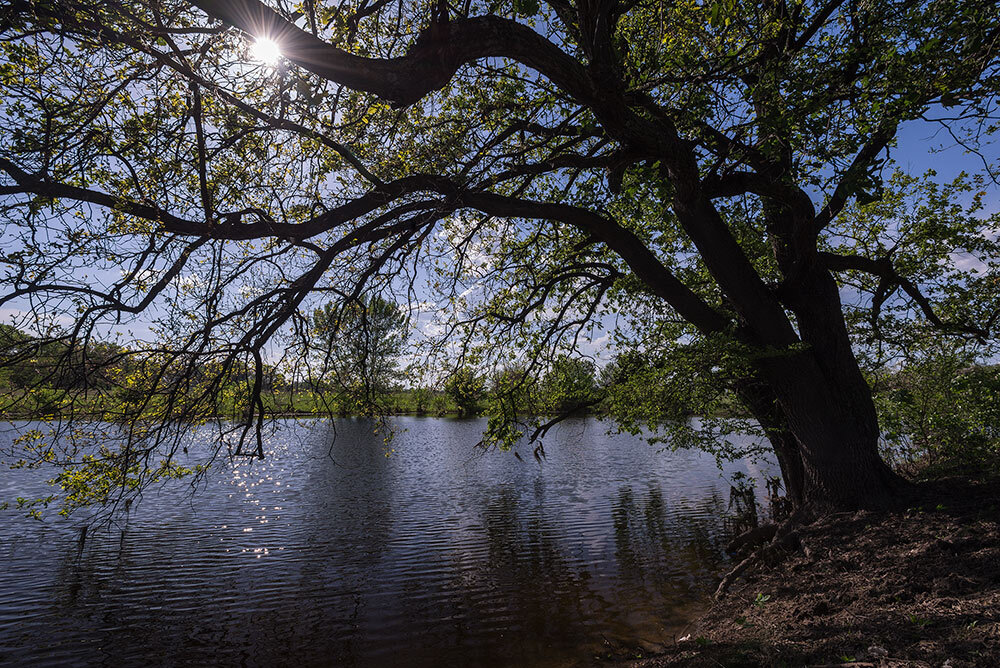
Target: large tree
point(538, 165)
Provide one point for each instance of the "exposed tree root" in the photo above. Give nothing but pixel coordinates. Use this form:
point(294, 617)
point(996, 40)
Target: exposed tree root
point(784, 539)
point(752, 538)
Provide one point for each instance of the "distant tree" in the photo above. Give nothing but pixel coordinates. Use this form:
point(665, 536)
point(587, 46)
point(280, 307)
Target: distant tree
point(11, 339)
point(16, 354)
point(356, 346)
point(570, 385)
point(421, 398)
point(27, 362)
point(467, 389)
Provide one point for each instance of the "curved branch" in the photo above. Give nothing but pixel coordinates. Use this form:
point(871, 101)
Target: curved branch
point(38, 185)
point(626, 244)
point(623, 242)
point(430, 63)
point(230, 227)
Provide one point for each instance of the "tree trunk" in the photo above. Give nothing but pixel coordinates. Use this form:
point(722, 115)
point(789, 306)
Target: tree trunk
point(840, 465)
point(828, 405)
point(810, 366)
point(760, 400)
point(828, 460)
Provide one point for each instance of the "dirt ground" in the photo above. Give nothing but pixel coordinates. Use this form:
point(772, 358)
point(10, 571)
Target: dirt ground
point(914, 587)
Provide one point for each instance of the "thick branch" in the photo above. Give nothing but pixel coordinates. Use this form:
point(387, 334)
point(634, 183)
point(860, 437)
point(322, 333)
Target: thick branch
point(37, 185)
point(427, 67)
point(629, 247)
point(231, 226)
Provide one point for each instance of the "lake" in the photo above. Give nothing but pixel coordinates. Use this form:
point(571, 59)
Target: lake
point(337, 552)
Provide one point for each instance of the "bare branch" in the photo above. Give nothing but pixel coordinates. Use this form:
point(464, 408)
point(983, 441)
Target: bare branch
point(884, 269)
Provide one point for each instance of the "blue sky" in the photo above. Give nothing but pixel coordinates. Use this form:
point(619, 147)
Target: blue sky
point(924, 145)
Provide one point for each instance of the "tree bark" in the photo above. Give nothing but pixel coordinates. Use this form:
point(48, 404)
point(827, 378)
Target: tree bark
point(842, 469)
point(760, 400)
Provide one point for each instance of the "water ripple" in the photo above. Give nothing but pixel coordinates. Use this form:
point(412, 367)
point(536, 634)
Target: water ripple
point(433, 556)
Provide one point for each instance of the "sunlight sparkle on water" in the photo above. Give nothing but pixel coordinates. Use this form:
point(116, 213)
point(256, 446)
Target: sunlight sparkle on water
point(266, 51)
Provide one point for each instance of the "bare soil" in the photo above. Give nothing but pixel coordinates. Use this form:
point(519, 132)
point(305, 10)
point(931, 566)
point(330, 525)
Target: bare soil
point(919, 586)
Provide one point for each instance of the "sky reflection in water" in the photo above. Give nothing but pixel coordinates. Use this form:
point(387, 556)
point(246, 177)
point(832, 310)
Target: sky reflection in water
point(435, 555)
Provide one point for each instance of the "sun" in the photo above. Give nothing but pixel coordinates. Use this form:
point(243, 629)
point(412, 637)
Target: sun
point(266, 51)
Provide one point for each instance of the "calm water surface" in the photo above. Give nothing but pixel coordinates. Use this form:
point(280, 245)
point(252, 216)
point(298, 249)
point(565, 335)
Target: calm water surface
point(330, 553)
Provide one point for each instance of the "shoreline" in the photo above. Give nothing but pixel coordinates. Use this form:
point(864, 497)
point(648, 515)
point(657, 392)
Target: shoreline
point(915, 587)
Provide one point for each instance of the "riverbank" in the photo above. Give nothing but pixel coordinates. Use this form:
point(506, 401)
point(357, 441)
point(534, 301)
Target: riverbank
point(914, 587)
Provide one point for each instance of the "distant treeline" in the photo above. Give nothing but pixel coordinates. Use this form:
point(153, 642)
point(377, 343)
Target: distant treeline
point(42, 378)
point(943, 405)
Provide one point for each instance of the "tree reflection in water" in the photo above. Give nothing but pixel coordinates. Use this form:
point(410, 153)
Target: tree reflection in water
point(428, 557)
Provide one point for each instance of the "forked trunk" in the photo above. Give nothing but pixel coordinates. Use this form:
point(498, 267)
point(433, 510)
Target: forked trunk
point(809, 367)
point(827, 405)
